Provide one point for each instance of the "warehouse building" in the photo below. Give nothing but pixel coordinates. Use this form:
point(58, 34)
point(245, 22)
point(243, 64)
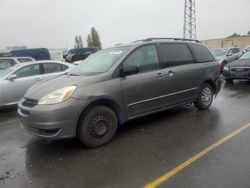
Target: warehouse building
point(231, 41)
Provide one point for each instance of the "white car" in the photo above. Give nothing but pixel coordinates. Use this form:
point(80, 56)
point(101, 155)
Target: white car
point(6, 62)
point(16, 80)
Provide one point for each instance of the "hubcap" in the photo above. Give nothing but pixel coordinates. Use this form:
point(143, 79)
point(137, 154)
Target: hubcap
point(99, 126)
point(206, 96)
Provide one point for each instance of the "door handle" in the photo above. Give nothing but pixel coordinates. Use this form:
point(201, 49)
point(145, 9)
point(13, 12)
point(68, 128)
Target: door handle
point(170, 73)
point(160, 75)
point(38, 79)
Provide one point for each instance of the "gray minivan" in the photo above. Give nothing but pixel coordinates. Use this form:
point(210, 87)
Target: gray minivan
point(119, 84)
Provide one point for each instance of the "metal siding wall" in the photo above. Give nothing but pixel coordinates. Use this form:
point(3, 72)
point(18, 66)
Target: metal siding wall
point(228, 42)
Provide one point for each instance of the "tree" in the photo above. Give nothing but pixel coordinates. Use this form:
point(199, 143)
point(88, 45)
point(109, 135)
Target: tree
point(89, 41)
point(234, 35)
point(93, 39)
point(78, 42)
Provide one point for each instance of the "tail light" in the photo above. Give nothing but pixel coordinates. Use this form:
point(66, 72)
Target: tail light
point(218, 65)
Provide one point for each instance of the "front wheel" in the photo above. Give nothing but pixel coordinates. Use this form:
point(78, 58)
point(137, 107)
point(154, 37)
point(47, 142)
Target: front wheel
point(98, 126)
point(205, 97)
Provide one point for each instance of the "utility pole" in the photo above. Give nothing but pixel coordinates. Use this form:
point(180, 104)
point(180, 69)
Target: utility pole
point(189, 29)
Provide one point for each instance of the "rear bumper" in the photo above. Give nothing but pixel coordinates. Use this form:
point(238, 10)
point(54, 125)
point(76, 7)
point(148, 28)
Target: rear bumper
point(218, 85)
point(51, 121)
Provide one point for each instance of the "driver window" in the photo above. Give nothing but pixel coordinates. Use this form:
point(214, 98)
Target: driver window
point(230, 52)
point(145, 58)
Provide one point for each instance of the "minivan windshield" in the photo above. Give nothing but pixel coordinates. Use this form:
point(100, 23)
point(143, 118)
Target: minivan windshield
point(98, 62)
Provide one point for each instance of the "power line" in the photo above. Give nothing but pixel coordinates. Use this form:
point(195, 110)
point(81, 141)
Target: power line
point(189, 29)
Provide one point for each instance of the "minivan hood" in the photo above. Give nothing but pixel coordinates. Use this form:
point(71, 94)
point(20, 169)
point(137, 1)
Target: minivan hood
point(240, 63)
point(44, 88)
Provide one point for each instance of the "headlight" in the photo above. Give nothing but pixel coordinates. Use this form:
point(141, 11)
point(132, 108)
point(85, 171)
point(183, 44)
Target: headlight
point(226, 68)
point(58, 96)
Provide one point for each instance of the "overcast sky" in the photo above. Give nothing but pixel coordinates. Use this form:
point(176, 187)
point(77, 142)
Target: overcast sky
point(54, 23)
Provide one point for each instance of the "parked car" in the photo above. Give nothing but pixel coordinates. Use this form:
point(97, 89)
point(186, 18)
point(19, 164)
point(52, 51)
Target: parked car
point(76, 54)
point(6, 62)
point(36, 53)
point(119, 84)
point(226, 55)
point(247, 48)
point(5, 54)
point(239, 69)
point(15, 80)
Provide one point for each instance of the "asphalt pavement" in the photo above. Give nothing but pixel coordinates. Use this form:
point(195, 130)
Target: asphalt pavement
point(142, 152)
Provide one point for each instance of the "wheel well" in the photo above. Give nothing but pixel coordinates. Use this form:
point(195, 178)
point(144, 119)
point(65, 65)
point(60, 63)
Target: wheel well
point(211, 83)
point(104, 102)
point(225, 62)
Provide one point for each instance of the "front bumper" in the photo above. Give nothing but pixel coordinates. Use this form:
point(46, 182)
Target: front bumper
point(51, 121)
point(236, 75)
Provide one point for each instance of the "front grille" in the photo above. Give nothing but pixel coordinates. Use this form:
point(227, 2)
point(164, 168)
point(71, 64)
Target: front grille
point(240, 71)
point(29, 103)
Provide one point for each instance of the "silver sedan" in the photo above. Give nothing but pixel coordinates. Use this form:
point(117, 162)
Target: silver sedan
point(16, 80)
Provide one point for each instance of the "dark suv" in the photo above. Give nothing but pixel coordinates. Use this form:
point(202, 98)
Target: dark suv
point(119, 84)
point(76, 54)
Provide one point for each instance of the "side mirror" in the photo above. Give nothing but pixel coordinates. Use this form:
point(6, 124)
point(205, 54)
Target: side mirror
point(230, 54)
point(132, 69)
point(12, 77)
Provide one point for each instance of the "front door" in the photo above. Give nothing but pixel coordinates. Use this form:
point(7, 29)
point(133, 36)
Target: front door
point(142, 91)
point(14, 90)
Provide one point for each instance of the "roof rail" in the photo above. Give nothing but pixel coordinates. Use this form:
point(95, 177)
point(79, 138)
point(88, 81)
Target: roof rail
point(175, 39)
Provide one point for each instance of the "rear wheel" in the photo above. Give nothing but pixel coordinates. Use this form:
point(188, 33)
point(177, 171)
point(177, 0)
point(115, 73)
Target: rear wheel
point(205, 97)
point(98, 126)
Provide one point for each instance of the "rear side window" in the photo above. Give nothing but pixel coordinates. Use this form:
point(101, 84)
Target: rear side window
point(202, 54)
point(53, 68)
point(175, 54)
point(236, 50)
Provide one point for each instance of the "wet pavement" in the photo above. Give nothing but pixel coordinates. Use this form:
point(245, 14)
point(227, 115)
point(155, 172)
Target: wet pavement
point(142, 151)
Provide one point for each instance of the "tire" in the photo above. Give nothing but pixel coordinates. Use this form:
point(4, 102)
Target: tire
point(229, 81)
point(98, 126)
point(205, 97)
